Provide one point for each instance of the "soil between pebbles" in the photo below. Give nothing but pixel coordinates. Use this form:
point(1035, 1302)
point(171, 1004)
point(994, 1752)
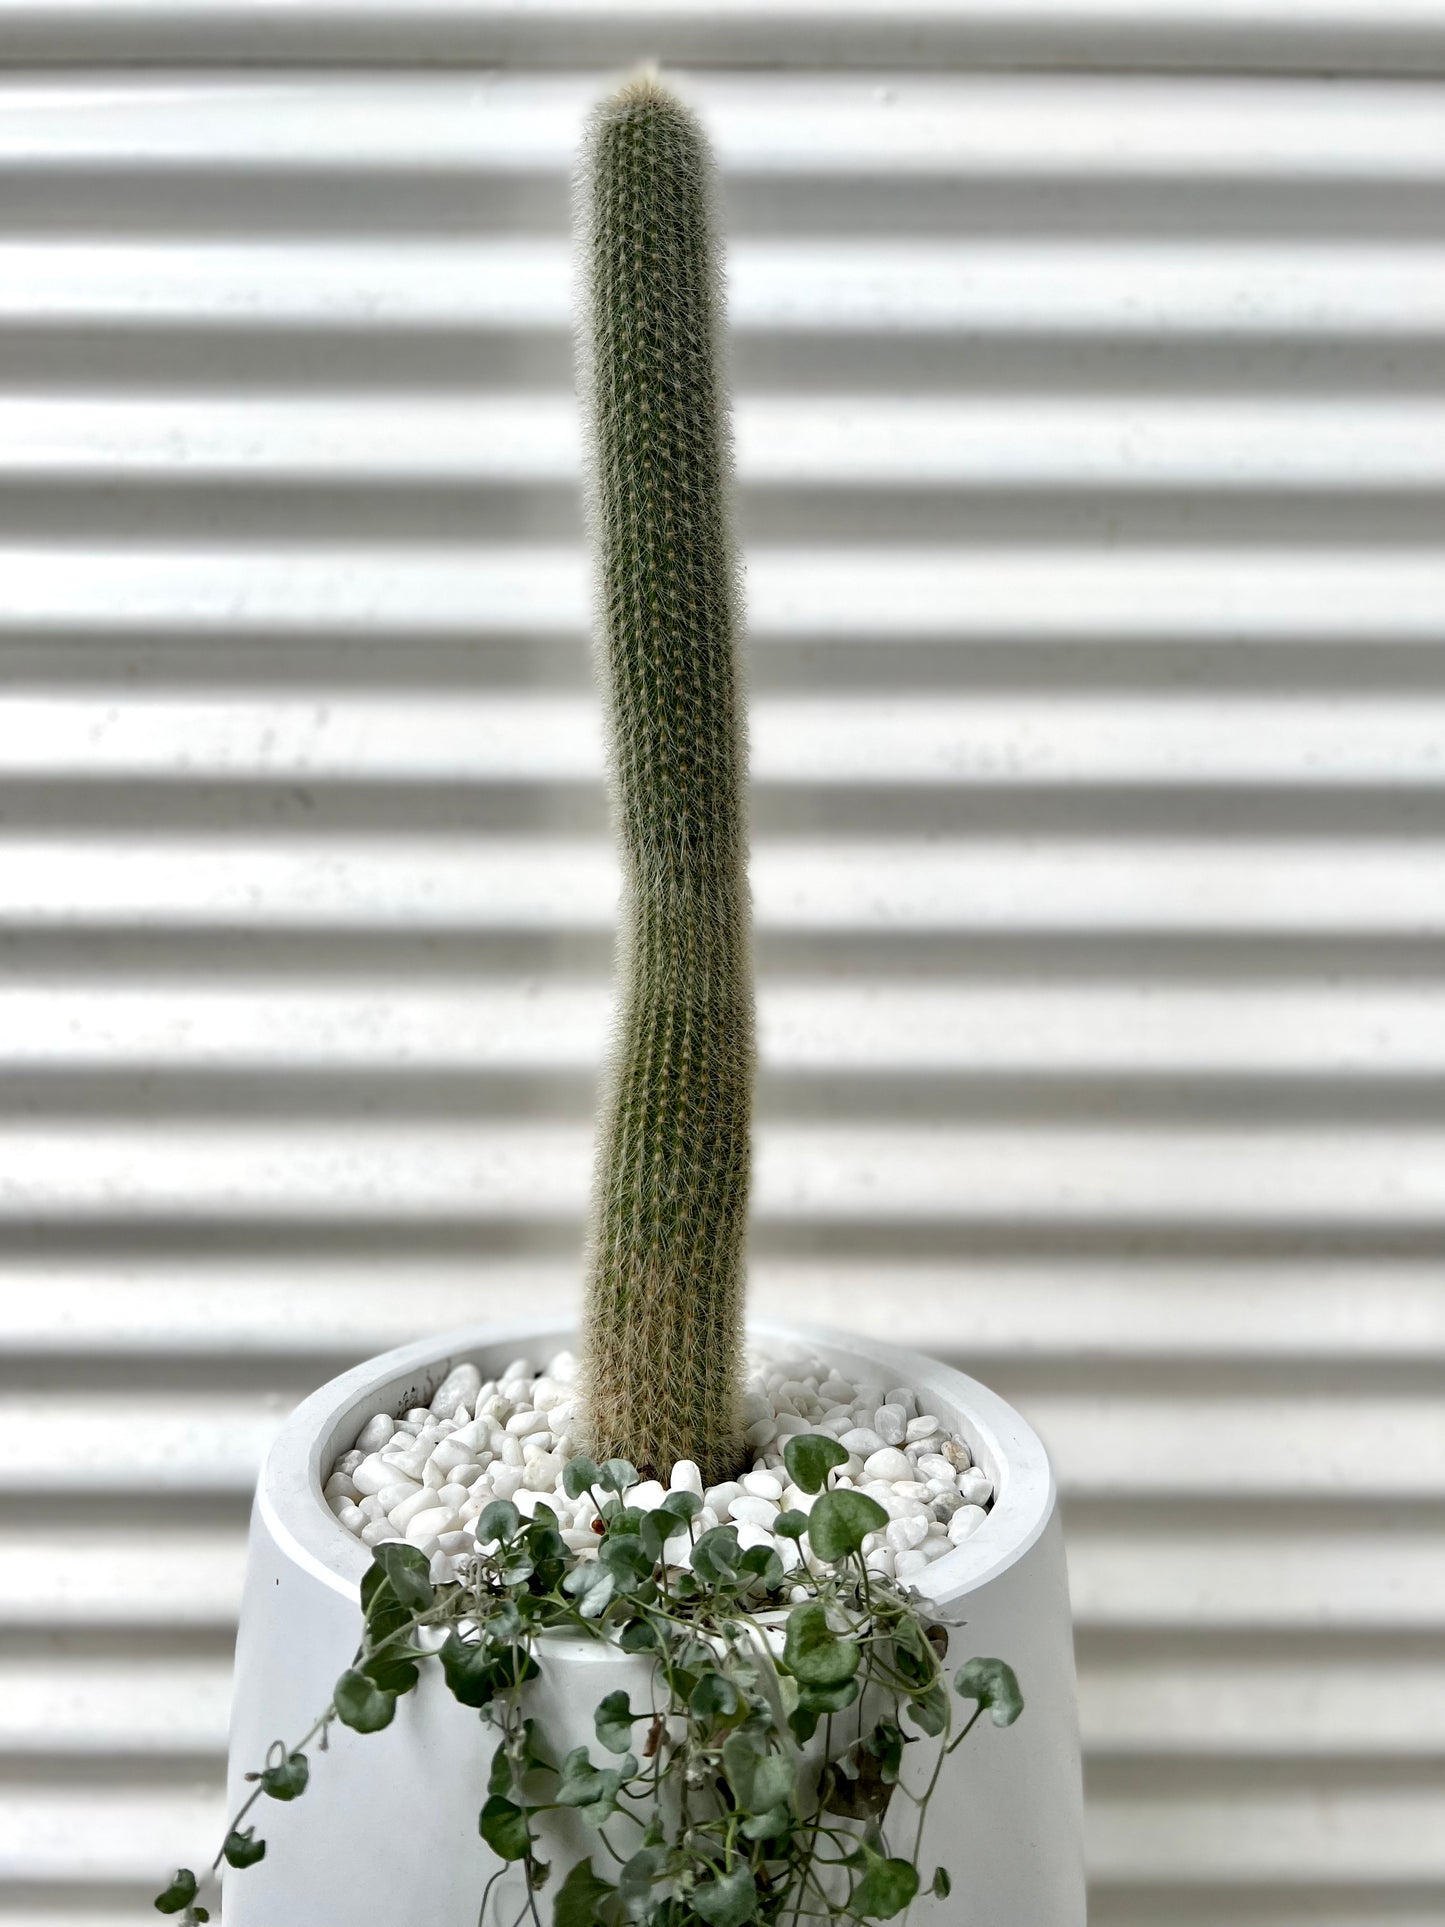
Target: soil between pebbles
point(426, 1476)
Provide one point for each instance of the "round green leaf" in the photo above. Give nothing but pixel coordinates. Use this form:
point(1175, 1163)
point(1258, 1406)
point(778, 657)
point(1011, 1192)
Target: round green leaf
point(578, 1476)
point(772, 1783)
point(886, 1889)
point(715, 1556)
point(469, 1669)
point(992, 1684)
point(813, 1652)
point(727, 1901)
point(503, 1825)
point(840, 1521)
point(942, 1883)
point(581, 1898)
point(625, 1557)
point(767, 1826)
point(790, 1524)
point(500, 1520)
point(287, 1779)
point(618, 1476)
point(242, 1849)
point(180, 1893)
point(613, 1722)
point(391, 1675)
point(638, 1878)
point(929, 1710)
point(593, 1586)
point(765, 1567)
point(361, 1704)
point(407, 1570)
point(810, 1457)
point(712, 1696)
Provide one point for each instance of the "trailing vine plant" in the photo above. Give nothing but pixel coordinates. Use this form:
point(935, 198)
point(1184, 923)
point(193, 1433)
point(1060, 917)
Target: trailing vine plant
point(761, 1779)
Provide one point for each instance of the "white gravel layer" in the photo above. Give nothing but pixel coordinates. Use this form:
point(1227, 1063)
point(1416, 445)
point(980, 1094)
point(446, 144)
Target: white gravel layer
point(427, 1476)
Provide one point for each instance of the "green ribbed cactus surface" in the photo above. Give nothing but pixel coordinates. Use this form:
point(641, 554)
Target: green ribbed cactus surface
point(664, 1318)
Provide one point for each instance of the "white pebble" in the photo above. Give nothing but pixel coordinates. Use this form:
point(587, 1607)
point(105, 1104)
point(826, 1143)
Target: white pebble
point(862, 1439)
point(889, 1463)
point(422, 1500)
point(543, 1472)
point(647, 1496)
point(880, 1561)
point(380, 1533)
point(442, 1569)
point(906, 1565)
point(762, 1485)
point(686, 1478)
point(506, 1481)
point(922, 1428)
point(761, 1434)
point(720, 1497)
point(750, 1535)
point(430, 1524)
point(890, 1422)
point(511, 1452)
point(373, 1473)
point(453, 1452)
point(753, 1510)
point(905, 1534)
point(965, 1522)
point(352, 1517)
point(391, 1496)
point(901, 1395)
point(933, 1465)
point(375, 1433)
point(523, 1422)
point(975, 1486)
point(461, 1383)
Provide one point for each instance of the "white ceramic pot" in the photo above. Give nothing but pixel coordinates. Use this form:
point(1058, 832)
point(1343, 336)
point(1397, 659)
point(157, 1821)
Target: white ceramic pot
point(386, 1833)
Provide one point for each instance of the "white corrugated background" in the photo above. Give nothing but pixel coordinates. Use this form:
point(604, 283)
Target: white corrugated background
point(1090, 371)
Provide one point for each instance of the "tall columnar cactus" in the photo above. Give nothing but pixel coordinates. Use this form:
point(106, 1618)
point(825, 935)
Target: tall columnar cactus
point(666, 1256)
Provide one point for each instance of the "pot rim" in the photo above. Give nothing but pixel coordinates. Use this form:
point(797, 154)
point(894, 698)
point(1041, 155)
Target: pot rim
point(288, 1491)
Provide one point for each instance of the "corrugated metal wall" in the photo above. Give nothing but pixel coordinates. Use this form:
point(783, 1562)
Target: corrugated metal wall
point(1091, 422)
